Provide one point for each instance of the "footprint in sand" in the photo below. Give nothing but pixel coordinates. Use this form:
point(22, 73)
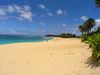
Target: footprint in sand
point(70, 53)
point(51, 53)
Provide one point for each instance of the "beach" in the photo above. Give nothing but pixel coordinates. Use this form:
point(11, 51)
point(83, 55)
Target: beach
point(53, 57)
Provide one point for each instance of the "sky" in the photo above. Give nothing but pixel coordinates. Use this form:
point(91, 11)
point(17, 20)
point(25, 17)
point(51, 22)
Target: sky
point(41, 17)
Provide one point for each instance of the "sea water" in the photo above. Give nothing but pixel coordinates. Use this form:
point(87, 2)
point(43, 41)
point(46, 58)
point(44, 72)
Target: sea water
point(8, 39)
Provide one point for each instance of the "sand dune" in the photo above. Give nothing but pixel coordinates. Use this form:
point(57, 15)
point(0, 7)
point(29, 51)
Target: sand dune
point(55, 57)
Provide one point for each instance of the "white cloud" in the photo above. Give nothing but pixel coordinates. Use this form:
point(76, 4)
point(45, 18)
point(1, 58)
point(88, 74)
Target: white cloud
point(2, 12)
point(26, 15)
point(50, 14)
point(61, 12)
point(64, 25)
point(84, 18)
point(24, 12)
point(97, 21)
point(46, 9)
point(17, 8)
point(43, 7)
point(11, 9)
point(42, 23)
point(17, 32)
point(26, 7)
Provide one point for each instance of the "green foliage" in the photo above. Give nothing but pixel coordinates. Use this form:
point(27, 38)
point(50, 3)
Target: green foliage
point(98, 30)
point(94, 42)
point(87, 26)
point(68, 35)
point(84, 37)
point(63, 35)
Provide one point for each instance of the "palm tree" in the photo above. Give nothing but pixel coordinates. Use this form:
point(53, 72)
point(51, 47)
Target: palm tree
point(98, 30)
point(98, 3)
point(88, 25)
point(81, 29)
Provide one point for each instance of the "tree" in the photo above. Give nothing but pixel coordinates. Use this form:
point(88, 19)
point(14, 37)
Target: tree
point(88, 25)
point(98, 3)
point(81, 29)
point(98, 30)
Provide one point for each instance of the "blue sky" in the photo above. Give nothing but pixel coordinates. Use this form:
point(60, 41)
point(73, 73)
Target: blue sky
point(45, 16)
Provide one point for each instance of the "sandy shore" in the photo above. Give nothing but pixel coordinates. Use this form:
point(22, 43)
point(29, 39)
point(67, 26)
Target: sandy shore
point(55, 57)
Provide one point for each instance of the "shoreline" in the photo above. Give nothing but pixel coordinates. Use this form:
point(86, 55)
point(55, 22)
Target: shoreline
point(51, 38)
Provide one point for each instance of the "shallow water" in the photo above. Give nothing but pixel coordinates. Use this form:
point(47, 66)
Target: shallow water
point(7, 39)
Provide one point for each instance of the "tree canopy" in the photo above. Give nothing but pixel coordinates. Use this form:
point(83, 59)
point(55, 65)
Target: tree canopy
point(98, 3)
point(87, 26)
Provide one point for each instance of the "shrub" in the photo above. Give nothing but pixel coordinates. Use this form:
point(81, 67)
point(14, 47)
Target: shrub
point(84, 37)
point(94, 42)
point(67, 35)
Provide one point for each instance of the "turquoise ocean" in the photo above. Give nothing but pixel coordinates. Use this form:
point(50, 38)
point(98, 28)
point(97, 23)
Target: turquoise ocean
point(9, 39)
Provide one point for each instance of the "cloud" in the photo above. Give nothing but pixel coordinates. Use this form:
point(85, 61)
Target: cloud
point(26, 7)
point(17, 32)
point(24, 12)
point(84, 18)
point(97, 21)
point(64, 25)
point(61, 12)
point(11, 9)
point(26, 15)
point(46, 9)
point(2, 12)
point(43, 7)
point(42, 23)
point(50, 14)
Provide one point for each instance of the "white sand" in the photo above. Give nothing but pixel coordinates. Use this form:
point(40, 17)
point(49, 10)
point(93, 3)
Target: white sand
point(55, 57)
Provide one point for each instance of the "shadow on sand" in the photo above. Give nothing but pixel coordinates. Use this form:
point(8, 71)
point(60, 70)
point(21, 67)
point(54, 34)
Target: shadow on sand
point(92, 63)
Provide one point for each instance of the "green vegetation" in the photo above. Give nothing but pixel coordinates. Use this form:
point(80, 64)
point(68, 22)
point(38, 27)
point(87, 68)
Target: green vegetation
point(94, 42)
point(68, 35)
point(63, 35)
point(84, 37)
point(85, 29)
point(87, 26)
point(92, 38)
point(98, 30)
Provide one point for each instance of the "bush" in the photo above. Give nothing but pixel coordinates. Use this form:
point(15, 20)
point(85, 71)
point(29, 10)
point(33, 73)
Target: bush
point(67, 35)
point(84, 37)
point(94, 42)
